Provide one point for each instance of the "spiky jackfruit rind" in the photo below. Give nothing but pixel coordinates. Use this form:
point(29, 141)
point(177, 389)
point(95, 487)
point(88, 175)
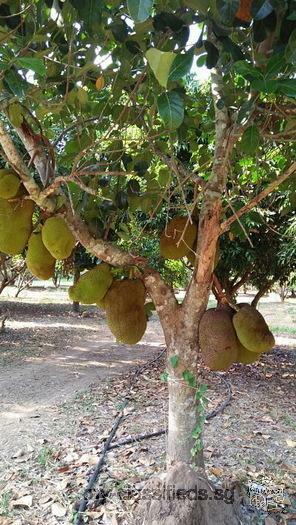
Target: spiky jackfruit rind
point(252, 330)
point(9, 184)
point(57, 238)
point(39, 261)
point(92, 285)
point(15, 225)
point(172, 235)
point(125, 310)
point(217, 339)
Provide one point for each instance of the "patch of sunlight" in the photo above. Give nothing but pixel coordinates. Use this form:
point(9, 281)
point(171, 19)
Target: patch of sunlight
point(34, 324)
point(285, 341)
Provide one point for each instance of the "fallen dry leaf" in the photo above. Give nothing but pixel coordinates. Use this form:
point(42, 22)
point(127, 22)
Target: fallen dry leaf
point(25, 501)
point(58, 510)
point(291, 443)
point(216, 471)
point(289, 467)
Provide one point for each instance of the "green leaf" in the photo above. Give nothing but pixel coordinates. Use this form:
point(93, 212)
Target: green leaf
point(245, 111)
point(250, 140)
point(171, 109)
point(15, 83)
point(189, 378)
point(140, 10)
point(233, 49)
point(181, 65)
point(261, 9)
point(90, 13)
point(275, 65)
point(287, 87)
point(246, 70)
point(212, 54)
point(226, 10)
point(174, 360)
point(264, 85)
point(15, 114)
point(160, 63)
point(290, 53)
point(164, 376)
point(35, 64)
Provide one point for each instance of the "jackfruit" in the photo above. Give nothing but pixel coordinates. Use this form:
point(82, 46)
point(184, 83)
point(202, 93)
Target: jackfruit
point(15, 225)
point(38, 259)
point(9, 184)
point(57, 238)
point(170, 237)
point(246, 357)
point(92, 285)
point(252, 330)
point(125, 309)
point(101, 303)
point(217, 339)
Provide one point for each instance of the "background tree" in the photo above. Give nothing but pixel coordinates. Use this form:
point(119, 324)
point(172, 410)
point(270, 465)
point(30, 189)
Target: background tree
point(137, 124)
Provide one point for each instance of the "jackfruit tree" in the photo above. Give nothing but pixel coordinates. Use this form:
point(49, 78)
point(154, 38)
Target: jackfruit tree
point(104, 119)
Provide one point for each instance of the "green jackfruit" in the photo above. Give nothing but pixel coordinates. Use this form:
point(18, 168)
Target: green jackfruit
point(125, 309)
point(9, 184)
point(92, 285)
point(252, 330)
point(170, 237)
point(15, 225)
point(246, 357)
point(57, 238)
point(38, 259)
point(217, 339)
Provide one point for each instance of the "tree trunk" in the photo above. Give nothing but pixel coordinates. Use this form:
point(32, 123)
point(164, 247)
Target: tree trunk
point(263, 290)
point(183, 406)
point(75, 304)
point(184, 496)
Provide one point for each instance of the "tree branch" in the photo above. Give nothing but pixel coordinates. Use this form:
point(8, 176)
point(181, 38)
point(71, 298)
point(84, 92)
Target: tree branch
point(253, 202)
point(23, 171)
point(226, 134)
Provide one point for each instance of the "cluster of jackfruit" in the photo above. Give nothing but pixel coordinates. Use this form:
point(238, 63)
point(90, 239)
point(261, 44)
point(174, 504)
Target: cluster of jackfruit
point(178, 238)
point(9, 184)
point(92, 285)
point(54, 241)
point(15, 225)
point(124, 303)
point(227, 337)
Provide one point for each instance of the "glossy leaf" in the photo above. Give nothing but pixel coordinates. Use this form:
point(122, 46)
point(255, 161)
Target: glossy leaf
point(227, 9)
point(171, 109)
point(181, 65)
point(35, 64)
point(250, 140)
point(160, 63)
point(140, 10)
point(287, 87)
point(212, 54)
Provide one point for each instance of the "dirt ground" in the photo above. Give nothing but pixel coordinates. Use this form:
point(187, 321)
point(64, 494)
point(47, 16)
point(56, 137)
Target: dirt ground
point(62, 381)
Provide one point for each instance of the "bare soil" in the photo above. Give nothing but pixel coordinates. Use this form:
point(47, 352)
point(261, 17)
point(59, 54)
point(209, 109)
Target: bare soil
point(62, 380)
